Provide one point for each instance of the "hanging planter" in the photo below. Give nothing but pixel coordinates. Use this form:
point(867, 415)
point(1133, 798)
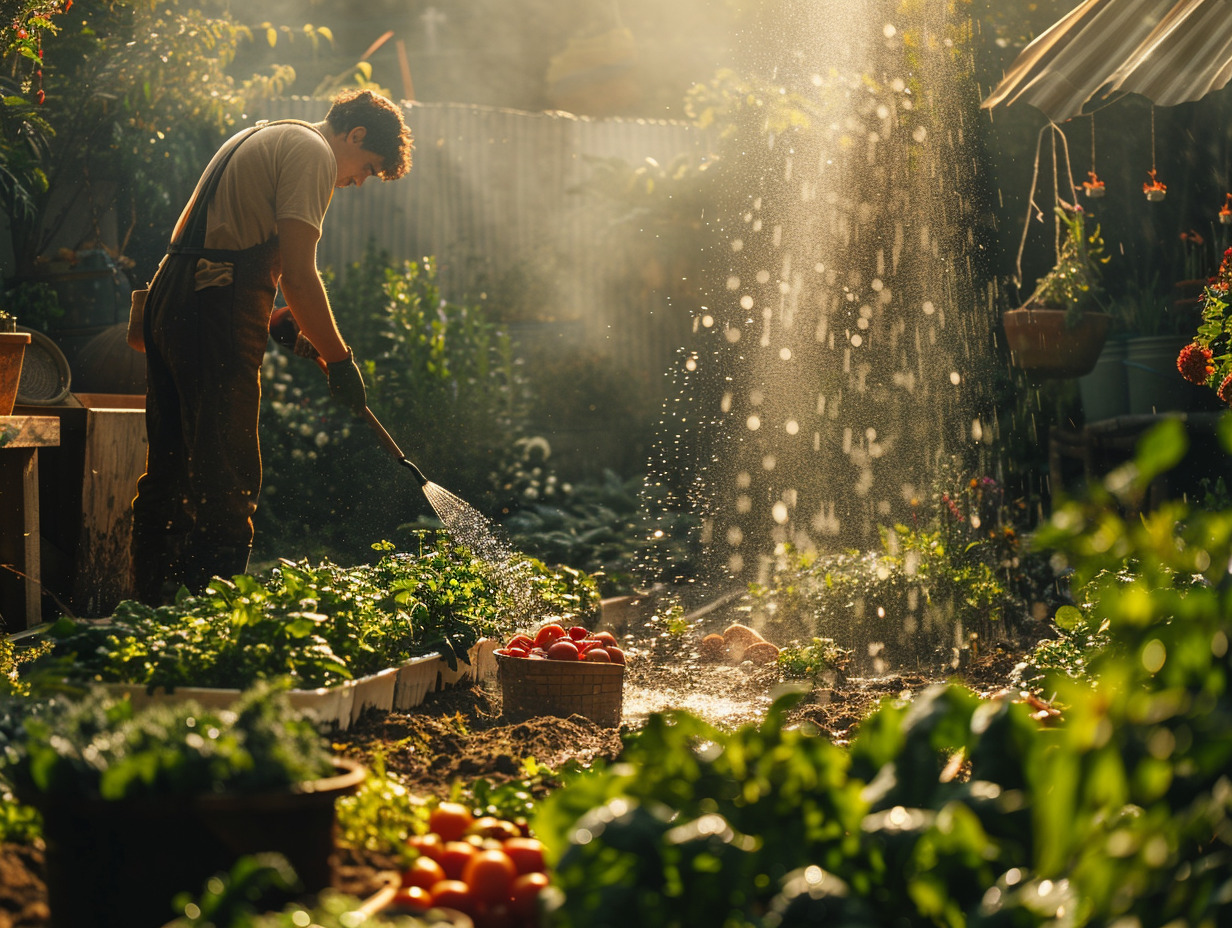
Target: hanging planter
point(1042, 340)
point(1059, 331)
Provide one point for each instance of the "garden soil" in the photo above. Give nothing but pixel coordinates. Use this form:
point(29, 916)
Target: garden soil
point(459, 735)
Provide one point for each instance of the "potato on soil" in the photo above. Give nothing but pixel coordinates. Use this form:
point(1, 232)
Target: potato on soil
point(712, 648)
point(761, 652)
point(738, 638)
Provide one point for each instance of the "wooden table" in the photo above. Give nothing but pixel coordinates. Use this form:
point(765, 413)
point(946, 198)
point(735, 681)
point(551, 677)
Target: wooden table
point(21, 590)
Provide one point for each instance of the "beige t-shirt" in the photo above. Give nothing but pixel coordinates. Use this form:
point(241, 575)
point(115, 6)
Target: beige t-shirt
point(279, 172)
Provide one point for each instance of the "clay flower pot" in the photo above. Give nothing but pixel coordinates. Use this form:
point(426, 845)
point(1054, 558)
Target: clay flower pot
point(1042, 342)
point(12, 351)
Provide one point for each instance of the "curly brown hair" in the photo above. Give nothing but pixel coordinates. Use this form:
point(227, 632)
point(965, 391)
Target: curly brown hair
point(387, 135)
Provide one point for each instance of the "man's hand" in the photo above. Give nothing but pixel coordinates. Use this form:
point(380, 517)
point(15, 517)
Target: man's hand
point(285, 331)
point(346, 384)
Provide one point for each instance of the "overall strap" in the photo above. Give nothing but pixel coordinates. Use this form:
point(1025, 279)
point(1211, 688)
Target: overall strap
point(191, 240)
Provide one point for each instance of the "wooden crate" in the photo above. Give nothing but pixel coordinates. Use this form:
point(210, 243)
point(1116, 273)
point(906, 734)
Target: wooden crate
point(87, 486)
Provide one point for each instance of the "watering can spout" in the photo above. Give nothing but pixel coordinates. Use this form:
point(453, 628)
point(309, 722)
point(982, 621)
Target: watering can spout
point(423, 481)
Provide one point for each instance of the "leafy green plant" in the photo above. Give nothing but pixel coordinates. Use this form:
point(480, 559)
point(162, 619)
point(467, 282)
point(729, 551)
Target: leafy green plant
point(11, 659)
point(957, 571)
point(1074, 283)
point(99, 745)
point(1207, 361)
point(618, 530)
point(821, 660)
point(380, 814)
point(319, 624)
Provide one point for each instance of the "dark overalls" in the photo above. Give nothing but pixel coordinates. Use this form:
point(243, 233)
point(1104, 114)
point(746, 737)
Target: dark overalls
point(192, 517)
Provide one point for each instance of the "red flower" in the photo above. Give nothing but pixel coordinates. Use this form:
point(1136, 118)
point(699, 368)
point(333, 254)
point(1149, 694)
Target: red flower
point(1225, 390)
point(1194, 363)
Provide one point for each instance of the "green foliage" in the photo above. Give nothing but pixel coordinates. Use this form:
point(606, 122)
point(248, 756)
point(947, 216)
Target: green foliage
point(380, 814)
point(99, 745)
point(133, 90)
point(611, 528)
point(952, 810)
point(19, 823)
point(821, 660)
point(1074, 282)
point(957, 571)
point(11, 659)
point(319, 624)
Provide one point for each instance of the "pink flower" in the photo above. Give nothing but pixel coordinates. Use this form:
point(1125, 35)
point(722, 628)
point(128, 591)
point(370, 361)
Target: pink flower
point(1195, 364)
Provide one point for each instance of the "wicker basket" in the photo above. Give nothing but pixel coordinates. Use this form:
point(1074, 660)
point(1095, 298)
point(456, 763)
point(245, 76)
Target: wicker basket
point(531, 688)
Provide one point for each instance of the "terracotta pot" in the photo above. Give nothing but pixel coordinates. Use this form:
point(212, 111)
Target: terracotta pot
point(1042, 342)
point(12, 351)
point(120, 864)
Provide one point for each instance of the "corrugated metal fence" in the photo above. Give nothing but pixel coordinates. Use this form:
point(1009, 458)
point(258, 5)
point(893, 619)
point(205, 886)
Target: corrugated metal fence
point(494, 196)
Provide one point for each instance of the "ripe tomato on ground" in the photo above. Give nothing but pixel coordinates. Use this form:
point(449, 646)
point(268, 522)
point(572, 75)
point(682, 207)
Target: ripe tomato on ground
point(490, 875)
point(450, 820)
point(526, 854)
point(423, 872)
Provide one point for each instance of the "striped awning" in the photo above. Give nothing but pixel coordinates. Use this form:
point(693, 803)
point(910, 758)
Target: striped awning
point(1170, 51)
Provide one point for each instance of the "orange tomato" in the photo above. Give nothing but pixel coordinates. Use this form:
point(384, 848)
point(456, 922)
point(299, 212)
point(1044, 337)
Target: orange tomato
point(450, 820)
point(412, 897)
point(524, 897)
point(490, 875)
point(454, 894)
point(526, 854)
point(423, 872)
point(428, 845)
point(455, 856)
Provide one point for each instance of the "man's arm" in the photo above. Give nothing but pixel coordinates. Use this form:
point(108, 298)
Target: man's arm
point(304, 292)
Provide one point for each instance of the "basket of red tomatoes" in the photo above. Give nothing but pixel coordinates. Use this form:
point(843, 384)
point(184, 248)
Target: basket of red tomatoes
point(562, 671)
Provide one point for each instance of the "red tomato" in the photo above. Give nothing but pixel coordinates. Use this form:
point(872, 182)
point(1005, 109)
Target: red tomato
point(526, 642)
point(597, 656)
point(423, 872)
point(526, 854)
point(617, 655)
point(606, 637)
point(549, 633)
point(490, 875)
point(489, 826)
point(454, 894)
point(578, 632)
point(513, 652)
point(450, 820)
point(455, 856)
point(524, 897)
point(412, 897)
point(428, 845)
point(563, 651)
point(587, 643)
